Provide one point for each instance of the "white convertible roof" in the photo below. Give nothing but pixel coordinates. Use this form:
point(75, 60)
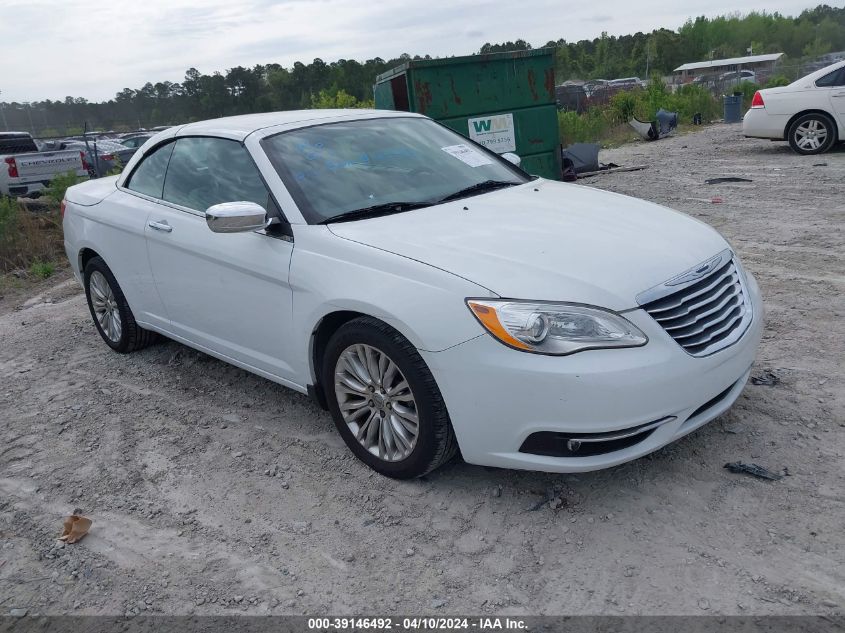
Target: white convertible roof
point(732, 61)
point(239, 127)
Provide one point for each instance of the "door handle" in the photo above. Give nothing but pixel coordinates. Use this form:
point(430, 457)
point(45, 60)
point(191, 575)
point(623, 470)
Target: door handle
point(839, 94)
point(161, 226)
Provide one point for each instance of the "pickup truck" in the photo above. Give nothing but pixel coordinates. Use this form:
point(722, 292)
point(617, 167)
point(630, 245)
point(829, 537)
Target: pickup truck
point(24, 171)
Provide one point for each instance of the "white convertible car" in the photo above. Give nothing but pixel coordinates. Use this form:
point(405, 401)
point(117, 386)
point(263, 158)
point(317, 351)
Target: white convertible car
point(429, 293)
point(809, 113)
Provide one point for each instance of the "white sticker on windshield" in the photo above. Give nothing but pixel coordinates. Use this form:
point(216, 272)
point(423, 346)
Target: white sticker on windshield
point(468, 155)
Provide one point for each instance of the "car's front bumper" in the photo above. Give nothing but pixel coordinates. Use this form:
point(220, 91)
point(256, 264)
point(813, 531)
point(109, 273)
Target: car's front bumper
point(497, 397)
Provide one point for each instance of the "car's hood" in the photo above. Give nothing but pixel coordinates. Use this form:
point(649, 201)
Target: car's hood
point(547, 241)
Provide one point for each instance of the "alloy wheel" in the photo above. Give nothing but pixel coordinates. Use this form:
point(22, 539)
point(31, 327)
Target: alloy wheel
point(811, 135)
point(106, 310)
point(376, 402)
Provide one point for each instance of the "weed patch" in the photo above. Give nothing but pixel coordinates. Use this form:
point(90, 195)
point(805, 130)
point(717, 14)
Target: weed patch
point(605, 124)
point(27, 238)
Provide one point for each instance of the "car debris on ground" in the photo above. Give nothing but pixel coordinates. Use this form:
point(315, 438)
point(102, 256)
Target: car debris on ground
point(663, 125)
point(581, 160)
point(717, 181)
point(754, 470)
point(612, 170)
point(767, 378)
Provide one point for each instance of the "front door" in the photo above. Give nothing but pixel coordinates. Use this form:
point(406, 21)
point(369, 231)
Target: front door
point(837, 100)
point(227, 293)
point(833, 86)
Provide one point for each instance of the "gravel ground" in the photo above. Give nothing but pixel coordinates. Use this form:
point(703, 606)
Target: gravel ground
point(213, 491)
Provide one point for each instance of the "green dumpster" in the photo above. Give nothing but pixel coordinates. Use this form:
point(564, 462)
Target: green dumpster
point(505, 101)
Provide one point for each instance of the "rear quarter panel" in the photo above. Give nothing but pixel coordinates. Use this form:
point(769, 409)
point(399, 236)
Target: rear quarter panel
point(793, 101)
point(113, 227)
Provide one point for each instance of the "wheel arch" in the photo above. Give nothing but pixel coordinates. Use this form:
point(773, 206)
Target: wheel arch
point(811, 111)
point(320, 335)
point(330, 323)
point(86, 255)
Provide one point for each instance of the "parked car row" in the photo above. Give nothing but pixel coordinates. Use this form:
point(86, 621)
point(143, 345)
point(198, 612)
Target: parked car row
point(28, 165)
point(577, 97)
point(27, 171)
point(731, 77)
point(103, 155)
point(103, 151)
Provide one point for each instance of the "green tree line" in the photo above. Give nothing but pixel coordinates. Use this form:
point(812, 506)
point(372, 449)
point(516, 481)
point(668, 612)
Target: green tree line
point(348, 83)
point(813, 33)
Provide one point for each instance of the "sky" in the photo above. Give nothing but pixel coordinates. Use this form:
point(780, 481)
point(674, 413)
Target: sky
point(50, 49)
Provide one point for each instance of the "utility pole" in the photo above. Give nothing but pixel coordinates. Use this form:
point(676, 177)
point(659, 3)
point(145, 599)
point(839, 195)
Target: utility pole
point(3, 113)
point(29, 113)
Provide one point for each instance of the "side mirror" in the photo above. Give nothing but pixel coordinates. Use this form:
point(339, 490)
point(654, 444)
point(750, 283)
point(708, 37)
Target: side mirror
point(512, 158)
point(236, 217)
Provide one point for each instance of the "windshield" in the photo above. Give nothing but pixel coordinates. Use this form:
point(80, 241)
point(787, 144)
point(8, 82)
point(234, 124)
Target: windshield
point(338, 168)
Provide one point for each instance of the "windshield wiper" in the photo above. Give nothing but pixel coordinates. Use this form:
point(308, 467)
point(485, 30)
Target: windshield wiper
point(375, 211)
point(486, 185)
point(388, 208)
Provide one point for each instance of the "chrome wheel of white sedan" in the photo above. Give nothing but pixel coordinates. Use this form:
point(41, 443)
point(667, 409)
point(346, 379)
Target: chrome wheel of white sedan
point(376, 402)
point(812, 133)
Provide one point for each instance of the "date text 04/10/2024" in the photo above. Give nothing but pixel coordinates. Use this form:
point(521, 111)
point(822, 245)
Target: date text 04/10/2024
point(416, 624)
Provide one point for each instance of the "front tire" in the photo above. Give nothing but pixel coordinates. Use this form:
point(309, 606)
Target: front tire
point(384, 400)
point(111, 313)
point(812, 133)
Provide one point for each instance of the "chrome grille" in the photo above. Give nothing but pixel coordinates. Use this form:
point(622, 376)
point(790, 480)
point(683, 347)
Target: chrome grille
point(707, 314)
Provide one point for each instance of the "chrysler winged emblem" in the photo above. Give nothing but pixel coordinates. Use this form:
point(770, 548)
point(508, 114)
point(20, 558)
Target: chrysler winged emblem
point(697, 272)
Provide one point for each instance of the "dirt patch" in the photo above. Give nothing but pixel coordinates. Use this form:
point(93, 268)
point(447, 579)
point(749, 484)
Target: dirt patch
point(215, 491)
point(21, 288)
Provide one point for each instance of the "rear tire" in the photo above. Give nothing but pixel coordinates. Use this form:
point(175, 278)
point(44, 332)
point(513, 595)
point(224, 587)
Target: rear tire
point(812, 133)
point(111, 313)
point(389, 398)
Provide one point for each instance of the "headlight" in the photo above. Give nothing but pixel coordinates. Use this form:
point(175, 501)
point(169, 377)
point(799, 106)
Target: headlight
point(554, 328)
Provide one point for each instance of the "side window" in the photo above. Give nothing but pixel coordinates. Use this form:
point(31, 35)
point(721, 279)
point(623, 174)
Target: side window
point(148, 176)
point(208, 171)
point(836, 78)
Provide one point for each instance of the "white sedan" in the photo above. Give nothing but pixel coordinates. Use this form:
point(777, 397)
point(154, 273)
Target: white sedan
point(809, 113)
point(429, 293)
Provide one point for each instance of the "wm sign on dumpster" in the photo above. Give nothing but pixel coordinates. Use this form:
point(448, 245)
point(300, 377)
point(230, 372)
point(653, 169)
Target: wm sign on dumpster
point(503, 101)
point(494, 132)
